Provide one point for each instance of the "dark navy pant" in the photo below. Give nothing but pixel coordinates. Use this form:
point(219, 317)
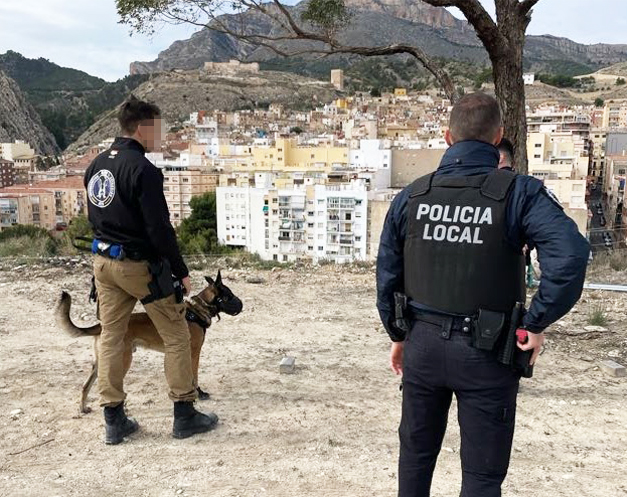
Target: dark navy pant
point(439, 362)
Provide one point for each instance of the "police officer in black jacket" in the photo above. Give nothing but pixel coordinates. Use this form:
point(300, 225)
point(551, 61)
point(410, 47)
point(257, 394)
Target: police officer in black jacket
point(452, 242)
point(136, 258)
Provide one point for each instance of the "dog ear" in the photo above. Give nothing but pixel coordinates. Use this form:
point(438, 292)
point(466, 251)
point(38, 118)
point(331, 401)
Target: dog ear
point(219, 278)
point(209, 280)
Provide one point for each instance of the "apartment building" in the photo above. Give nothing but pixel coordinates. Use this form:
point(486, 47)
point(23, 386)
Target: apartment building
point(9, 151)
point(310, 222)
point(615, 114)
point(557, 155)
point(554, 120)
point(48, 204)
point(35, 207)
point(180, 184)
point(287, 155)
point(598, 139)
point(7, 173)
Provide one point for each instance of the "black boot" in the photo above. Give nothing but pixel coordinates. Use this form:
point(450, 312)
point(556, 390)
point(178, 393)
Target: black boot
point(188, 421)
point(118, 425)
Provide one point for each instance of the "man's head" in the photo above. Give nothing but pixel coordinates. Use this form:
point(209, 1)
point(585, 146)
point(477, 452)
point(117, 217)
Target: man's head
point(475, 117)
point(506, 149)
point(141, 121)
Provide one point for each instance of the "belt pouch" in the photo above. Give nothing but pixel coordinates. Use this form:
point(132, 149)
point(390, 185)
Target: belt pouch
point(487, 329)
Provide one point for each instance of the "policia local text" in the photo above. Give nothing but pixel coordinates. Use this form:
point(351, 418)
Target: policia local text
point(454, 233)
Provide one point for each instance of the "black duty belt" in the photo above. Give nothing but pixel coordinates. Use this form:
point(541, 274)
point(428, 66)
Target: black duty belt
point(448, 323)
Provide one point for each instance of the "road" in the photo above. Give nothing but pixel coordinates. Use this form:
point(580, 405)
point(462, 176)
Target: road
point(596, 230)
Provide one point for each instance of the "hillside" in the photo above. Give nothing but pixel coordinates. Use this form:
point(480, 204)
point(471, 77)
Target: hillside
point(403, 21)
point(20, 121)
point(67, 100)
point(328, 430)
point(179, 93)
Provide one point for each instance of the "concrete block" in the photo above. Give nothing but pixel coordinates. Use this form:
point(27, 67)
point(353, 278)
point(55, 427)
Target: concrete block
point(613, 368)
point(288, 365)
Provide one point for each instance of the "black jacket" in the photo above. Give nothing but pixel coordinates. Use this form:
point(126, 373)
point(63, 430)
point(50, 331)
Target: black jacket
point(127, 205)
point(533, 218)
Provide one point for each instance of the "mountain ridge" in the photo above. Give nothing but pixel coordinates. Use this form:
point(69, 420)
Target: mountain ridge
point(20, 121)
point(439, 32)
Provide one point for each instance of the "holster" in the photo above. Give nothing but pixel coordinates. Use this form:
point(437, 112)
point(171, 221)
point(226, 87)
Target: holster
point(400, 308)
point(487, 329)
point(508, 353)
point(162, 285)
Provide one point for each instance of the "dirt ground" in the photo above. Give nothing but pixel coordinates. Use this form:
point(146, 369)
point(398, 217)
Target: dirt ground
point(328, 430)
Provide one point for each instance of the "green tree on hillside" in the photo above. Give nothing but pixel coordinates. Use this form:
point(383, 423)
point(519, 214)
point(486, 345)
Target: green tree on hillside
point(599, 102)
point(620, 81)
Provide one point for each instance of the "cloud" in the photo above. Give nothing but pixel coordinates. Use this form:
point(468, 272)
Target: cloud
point(84, 35)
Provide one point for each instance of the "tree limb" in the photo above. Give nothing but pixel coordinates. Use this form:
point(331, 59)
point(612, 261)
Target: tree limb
point(485, 27)
point(526, 5)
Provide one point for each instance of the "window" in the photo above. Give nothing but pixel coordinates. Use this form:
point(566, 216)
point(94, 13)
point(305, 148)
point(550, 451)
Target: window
point(285, 258)
point(538, 145)
point(537, 156)
point(313, 156)
point(310, 247)
point(321, 249)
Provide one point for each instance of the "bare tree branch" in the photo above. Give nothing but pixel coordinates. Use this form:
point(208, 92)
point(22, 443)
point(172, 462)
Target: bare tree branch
point(485, 27)
point(526, 5)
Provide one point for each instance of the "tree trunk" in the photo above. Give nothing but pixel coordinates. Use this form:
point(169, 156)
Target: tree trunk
point(507, 66)
point(510, 93)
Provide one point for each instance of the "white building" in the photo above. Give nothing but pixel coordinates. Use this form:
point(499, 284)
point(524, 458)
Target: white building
point(529, 78)
point(10, 151)
point(315, 222)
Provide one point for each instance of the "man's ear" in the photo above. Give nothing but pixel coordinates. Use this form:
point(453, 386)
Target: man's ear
point(448, 138)
point(499, 136)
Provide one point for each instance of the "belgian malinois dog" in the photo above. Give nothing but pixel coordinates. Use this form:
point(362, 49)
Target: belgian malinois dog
point(201, 308)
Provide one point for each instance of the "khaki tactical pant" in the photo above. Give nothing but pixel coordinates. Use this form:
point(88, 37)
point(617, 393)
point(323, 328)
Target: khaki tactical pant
point(120, 285)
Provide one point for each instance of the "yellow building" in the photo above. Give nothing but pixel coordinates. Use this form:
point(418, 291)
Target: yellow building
point(287, 155)
point(400, 92)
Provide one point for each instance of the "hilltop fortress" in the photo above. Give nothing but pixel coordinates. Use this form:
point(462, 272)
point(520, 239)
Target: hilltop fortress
point(230, 67)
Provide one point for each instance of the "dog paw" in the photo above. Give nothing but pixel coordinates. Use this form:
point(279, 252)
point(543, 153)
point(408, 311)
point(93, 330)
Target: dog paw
point(85, 410)
point(202, 395)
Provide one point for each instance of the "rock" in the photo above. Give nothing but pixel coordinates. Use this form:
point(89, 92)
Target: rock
point(15, 413)
point(287, 365)
point(614, 353)
point(255, 280)
point(595, 328)
point(613, 369)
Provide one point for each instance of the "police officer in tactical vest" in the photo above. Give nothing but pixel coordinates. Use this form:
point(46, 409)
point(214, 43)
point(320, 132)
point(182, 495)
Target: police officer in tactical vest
point(452, 244)
point(137, 258)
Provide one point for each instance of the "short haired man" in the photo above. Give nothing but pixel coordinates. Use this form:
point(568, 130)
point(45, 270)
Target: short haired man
point(506, 151)
point(452, 243)
point(131, 222)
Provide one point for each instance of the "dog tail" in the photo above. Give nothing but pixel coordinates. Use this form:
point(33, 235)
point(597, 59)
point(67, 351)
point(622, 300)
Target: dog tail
point(62, 314)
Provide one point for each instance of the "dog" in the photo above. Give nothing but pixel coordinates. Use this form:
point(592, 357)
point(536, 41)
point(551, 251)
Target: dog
point(200, 309)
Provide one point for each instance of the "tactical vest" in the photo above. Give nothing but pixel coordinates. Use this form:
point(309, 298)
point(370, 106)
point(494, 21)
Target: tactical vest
point(456, 256)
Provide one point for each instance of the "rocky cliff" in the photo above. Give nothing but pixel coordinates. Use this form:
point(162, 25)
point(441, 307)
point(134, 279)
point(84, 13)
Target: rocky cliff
point(404, 21)
point(20, 121)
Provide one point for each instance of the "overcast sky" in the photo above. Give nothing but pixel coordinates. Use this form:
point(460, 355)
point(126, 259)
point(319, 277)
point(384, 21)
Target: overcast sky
point(85, 34)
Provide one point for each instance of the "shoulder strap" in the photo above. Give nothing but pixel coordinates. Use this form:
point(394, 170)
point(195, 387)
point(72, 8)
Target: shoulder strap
point(421, 186)
point(497, 184)
point(459, 181)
